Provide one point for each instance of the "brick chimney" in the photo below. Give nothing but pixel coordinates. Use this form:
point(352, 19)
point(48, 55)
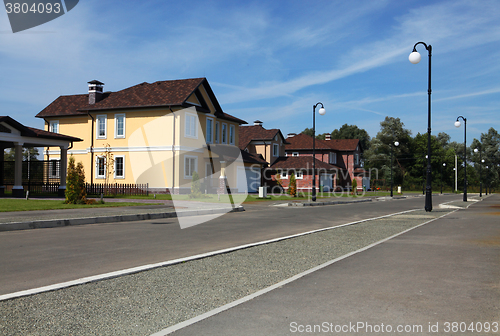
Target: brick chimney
point(328, 136)
point(291, 135)
point(95, 91)
point(257, 123)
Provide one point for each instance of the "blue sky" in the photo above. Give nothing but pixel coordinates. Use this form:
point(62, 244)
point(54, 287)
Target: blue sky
point(272, 60)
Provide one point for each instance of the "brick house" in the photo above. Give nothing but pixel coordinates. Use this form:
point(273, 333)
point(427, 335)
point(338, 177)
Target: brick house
point(343, 155)
point(337, 161)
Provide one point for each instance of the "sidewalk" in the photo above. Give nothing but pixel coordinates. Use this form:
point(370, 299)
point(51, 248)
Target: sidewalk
point(438, 276)
point(24, 220)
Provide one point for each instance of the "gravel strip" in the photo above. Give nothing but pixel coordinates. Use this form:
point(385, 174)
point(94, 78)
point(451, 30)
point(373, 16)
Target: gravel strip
point(146, 302)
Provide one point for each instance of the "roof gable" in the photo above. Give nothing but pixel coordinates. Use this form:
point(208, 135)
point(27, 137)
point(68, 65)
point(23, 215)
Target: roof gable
point(158, 94)
point(258, 133)
point(305, 142)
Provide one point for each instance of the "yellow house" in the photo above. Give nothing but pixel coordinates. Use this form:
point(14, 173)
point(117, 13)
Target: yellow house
point(156, 133)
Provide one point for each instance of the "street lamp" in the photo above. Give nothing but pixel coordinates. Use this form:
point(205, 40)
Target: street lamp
point(415, 58)
point(480, 170)
point(321, 112)
point(444, 165)
point(392, 149)
point(457, 124)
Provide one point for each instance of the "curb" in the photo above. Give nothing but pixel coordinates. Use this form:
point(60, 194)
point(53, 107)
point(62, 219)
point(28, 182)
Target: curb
point(51, 223)
point(328, 203)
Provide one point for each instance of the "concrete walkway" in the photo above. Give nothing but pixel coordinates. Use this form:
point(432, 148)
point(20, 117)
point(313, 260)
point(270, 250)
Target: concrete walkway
point(436, 279)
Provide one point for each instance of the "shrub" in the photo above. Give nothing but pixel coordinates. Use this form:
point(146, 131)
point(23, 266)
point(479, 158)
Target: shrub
point(75, 183)
point(292, 187)
point(354, 186)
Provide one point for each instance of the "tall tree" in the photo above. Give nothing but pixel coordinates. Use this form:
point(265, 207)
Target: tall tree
point(31, 152)
point(352, 132)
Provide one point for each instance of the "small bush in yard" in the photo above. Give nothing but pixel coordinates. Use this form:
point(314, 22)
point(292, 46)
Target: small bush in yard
point(75, 183)
point(292, 188)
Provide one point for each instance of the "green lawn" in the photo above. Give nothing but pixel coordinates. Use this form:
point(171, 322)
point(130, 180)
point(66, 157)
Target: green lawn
point(33, 204)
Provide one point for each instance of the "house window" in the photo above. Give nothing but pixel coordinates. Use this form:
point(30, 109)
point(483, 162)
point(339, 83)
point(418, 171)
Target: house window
point(101, 126)
point(191, 129)
point(54, 168)
point(101, 167)
point(299, 175)
point(295, 154)
point(216, 132)
point(54, 126)
point(210, 130)
point(276, 150)
point(190, 166)
point(284, 174)
point(231, 134)
point(119, 167)
point(333, 158)
point(224, 133)
point(356, 159)
point(119, 125)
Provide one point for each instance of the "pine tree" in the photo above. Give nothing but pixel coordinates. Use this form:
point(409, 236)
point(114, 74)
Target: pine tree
point(75, 183)
point(292, 187)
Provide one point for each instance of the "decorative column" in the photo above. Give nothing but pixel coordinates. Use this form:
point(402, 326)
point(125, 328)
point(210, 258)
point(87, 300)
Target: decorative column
point(222, 179)
point(17, 189)
point(63, 168)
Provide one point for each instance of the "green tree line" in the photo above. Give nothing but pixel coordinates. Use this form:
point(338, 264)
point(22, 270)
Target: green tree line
point(409, 157)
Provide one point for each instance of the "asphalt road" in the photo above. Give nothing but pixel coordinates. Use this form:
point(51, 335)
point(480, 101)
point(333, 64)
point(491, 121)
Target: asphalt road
point(41, 257)
point(437, 279)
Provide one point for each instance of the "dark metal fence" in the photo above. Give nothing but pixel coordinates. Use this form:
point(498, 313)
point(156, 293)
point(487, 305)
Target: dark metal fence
point(38, 177)
point(117, 189)
point(42, 177)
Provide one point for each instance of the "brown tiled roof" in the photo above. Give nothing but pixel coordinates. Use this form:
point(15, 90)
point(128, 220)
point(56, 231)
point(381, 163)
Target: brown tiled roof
point(158, 94)
point(253, 158)
point(35, 132)
point(305, 142)
point(344, 145)
point(300, 162)
point(257, 132)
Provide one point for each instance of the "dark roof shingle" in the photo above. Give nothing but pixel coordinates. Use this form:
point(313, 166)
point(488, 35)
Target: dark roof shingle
point(300, 162)
point(305, 142)
point(256, 132)
point(158, 94)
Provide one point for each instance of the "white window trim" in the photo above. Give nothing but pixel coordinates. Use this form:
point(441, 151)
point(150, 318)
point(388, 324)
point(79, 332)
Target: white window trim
point(284, 174)
point(216, 132)
point(223, 138)
point(211, 140)
point(278, 151)
point(97, 176)
point(186, 118)
point(116, 126)
point(123, 157)
point(295, 154)
point(97, 117)
point(297, 177)
point(232, 135)
point(51, 126)
point(195, 166)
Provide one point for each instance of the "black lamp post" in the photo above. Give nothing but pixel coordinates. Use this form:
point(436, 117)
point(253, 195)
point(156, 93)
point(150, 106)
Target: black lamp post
point(457, 124)
point(415, 58)
point(395, 143)
point(444, 165)
point(480, 170)
point(321, 112)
